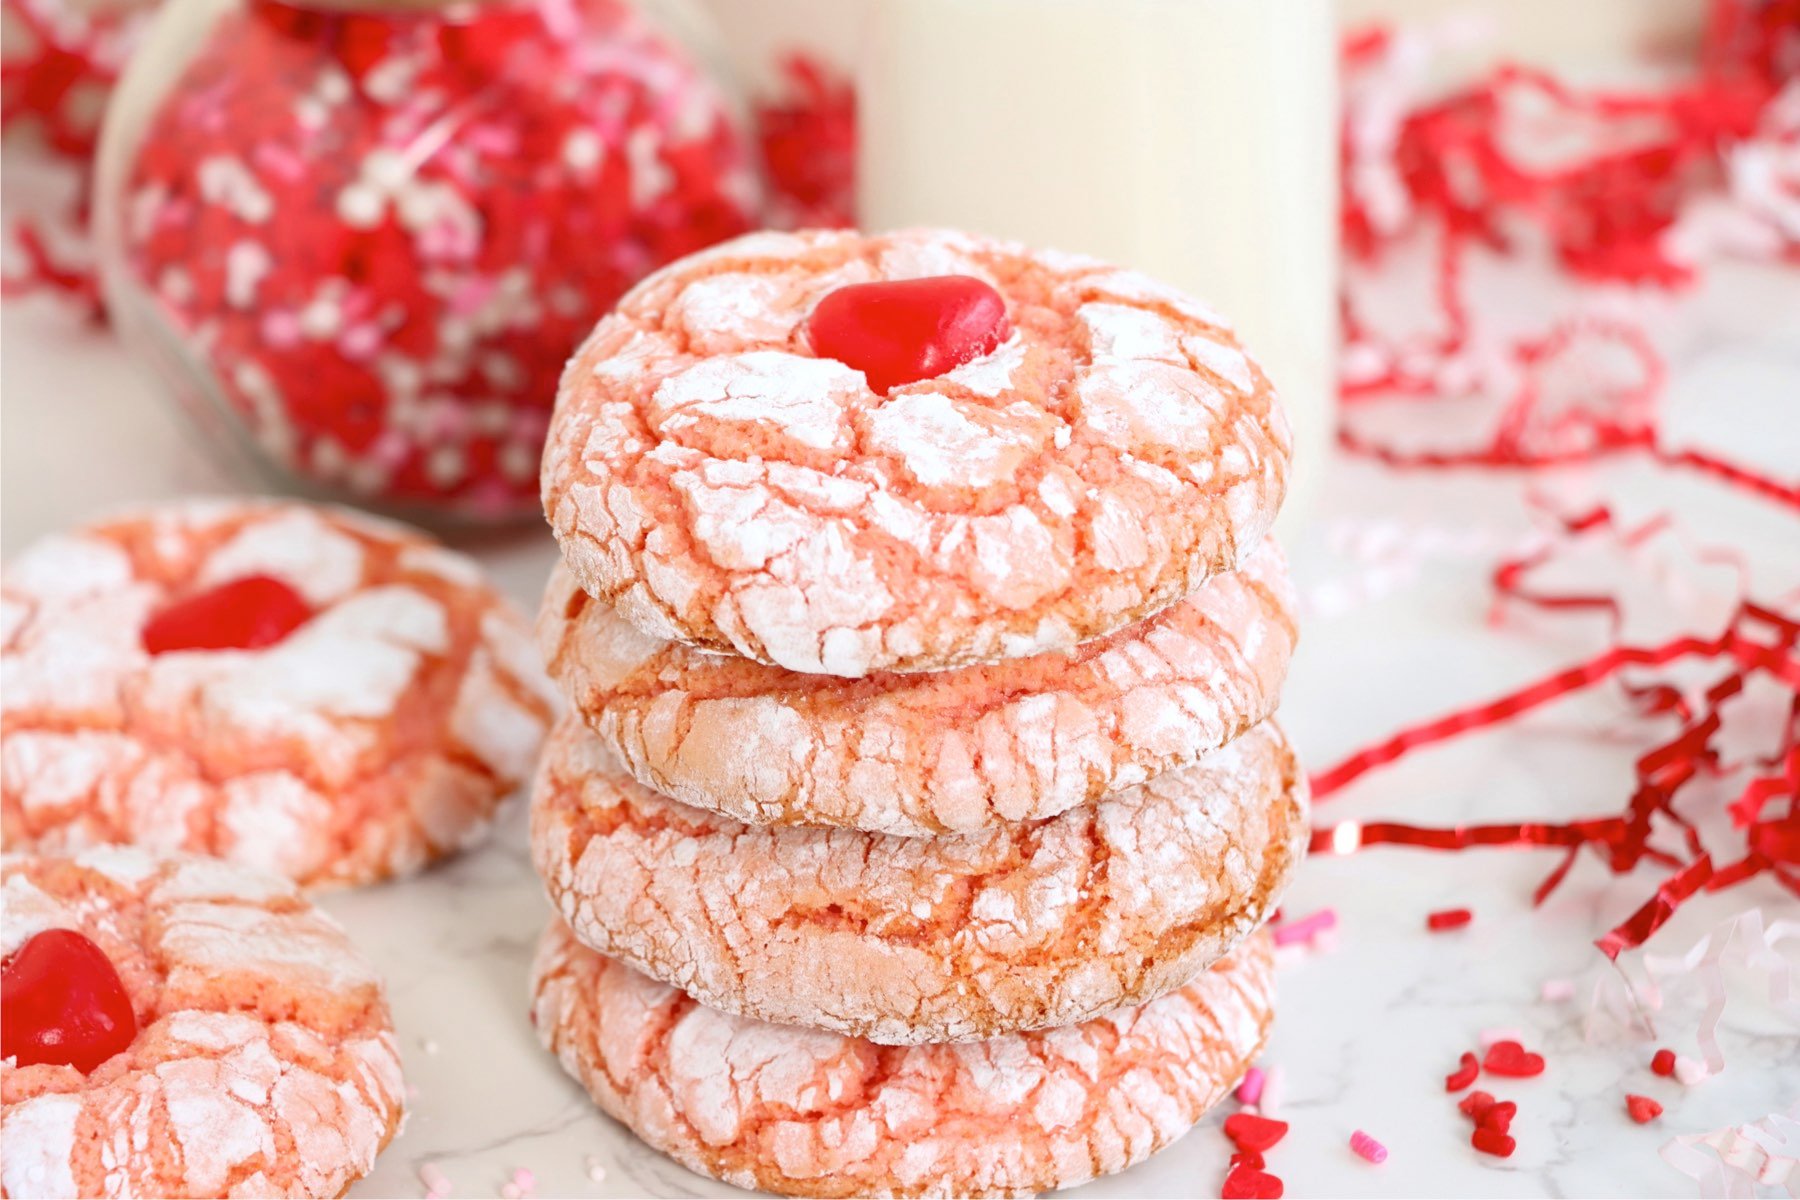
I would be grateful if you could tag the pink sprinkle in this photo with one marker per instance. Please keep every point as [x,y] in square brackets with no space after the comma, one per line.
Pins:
[1250,1091]
[1367,1147]
[524,1179]
[1304,929]
[281,329]
[1500,1034]
[1555,991]
[1689,1070]
[1270,1100]
[436,1184]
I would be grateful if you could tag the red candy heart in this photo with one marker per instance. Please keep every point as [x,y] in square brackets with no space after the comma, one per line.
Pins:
[1476,1103]
[1643,1109]
[1663,1062]
[1499,1116]
[1248,1183]
[909,329]
[1513,1060]
[1252,1132]
[61,1002]
[1464,1074]
[1492,1141]
[245,614]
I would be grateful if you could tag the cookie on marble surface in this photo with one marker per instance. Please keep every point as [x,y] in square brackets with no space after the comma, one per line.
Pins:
[904,940]
[806,1113]
[724,480]
[263,1060]
[927,752]
[302,689]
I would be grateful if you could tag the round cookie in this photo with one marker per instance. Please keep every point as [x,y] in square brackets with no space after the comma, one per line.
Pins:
[390,700]
[725,487]
[805,1113]
[927,752]
[264,1061]
[904,940]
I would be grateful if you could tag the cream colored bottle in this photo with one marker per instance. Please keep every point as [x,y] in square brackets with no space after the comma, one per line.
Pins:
[1193,139]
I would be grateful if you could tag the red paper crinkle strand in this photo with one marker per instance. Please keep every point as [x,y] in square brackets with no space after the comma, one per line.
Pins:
[1758,640]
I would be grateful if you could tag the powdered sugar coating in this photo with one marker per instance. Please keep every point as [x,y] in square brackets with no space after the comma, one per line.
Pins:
[265,1061]
[927,752]
[724,487]
[380,735]
[805,1113]
[904,940]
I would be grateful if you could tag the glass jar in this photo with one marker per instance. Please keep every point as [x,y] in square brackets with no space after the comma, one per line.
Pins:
[359,243]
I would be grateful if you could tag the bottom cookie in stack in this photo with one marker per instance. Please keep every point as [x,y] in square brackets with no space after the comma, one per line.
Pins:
[809,1113]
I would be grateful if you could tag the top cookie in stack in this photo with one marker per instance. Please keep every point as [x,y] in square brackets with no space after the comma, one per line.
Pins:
[1085,449]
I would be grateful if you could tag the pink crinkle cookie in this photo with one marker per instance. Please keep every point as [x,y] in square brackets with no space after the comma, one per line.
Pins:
[725,485]
[264,1062]
[330,697]
[903,940]
[928,752]
[806,1113]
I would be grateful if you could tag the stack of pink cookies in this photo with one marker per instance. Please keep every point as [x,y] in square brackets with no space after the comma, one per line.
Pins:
[919,798]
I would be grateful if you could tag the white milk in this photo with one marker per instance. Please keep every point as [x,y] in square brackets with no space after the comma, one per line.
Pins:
[1193,139]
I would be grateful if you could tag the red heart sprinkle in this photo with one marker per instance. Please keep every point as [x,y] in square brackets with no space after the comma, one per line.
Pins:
[1464,1075]
[1493,1141]
[1498,1117]
[1252,1132]
[1643,1109]
[1513,1060]
[1663,1062]
[61,1002]
[906,330]
[245,614]
[1248,1183]
[1476,1103]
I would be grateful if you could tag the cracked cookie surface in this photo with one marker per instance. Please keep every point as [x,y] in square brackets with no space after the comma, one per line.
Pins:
[722,486]
[806,1113]
[903,940]
[380,734]
[917,753]
[265,1062]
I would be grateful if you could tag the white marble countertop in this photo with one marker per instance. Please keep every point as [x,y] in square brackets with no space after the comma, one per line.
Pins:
[1366,1031]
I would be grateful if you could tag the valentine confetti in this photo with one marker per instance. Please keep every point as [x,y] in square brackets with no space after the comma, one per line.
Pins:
[1450,918]
[366,244]
[1367,1148]
[1464,1075]
[1509,1059]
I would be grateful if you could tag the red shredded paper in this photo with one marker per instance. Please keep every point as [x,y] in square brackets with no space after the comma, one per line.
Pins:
[1458,167]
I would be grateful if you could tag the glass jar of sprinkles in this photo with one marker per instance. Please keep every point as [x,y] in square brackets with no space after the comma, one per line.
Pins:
[359,243]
